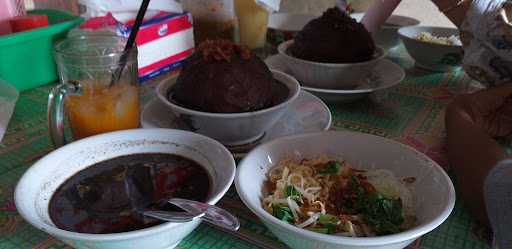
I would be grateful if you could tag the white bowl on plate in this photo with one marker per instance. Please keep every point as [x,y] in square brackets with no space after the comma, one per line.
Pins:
[306,114]
[433,191]
[387,35]
[232,128]
[435,57]
[384,75]
[328,75]
[36,187]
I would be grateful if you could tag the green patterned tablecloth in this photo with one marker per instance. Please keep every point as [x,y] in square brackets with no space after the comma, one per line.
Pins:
[412,113]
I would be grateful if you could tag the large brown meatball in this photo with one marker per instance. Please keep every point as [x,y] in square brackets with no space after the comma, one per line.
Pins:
[334,37]
[223,77]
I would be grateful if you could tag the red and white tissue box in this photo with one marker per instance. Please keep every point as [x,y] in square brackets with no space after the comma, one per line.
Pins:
[163,43]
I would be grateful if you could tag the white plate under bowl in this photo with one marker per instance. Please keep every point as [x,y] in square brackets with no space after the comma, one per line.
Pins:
[386,74]
[306,114]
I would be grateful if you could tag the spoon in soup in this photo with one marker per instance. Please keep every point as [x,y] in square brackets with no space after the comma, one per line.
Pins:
[197,210]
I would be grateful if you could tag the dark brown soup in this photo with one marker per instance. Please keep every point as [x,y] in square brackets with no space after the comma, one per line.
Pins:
[109,196]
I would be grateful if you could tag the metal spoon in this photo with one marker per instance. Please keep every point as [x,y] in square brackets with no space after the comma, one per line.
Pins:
[178,217]
[197,210]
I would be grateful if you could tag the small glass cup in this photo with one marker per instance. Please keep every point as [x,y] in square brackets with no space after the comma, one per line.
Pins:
[213,19]
[252,23]
[88,95]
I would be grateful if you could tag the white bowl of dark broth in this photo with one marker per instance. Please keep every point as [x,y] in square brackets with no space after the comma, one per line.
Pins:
[90,193]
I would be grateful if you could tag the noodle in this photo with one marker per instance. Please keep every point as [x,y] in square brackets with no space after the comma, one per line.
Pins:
[330,196]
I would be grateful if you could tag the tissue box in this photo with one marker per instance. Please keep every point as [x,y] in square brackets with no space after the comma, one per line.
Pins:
[163,43]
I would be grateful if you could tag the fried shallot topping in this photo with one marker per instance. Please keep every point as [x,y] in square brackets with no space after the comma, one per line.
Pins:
[222,50]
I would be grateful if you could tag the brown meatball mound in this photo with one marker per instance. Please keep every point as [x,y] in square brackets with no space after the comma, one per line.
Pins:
[334,37]
[222,77]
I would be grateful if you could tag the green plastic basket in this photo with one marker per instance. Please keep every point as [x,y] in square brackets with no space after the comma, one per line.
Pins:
[26,58]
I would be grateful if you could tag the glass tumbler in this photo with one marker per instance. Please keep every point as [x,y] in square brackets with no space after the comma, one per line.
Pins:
[213,19]
[94,93]
[252,23]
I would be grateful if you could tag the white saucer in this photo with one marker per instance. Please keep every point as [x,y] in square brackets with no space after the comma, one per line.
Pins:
[306,114]
[386,74]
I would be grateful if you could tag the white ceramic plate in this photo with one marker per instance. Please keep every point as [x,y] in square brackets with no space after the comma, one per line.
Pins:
[306,114]
[385,75]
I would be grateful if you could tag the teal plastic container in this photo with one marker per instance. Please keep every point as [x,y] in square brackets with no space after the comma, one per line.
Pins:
[26,58]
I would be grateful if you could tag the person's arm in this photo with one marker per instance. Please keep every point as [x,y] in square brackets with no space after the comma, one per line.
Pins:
[472,154]
[456,13]
[381,10]
[472,122]
[378,13]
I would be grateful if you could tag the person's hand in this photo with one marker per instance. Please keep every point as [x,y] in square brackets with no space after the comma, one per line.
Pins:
[455,10]
[489,109]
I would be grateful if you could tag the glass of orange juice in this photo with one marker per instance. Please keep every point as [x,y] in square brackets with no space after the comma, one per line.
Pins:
[88,95]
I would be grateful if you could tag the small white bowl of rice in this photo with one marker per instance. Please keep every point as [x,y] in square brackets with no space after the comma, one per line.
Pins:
[433,48]
[340,189]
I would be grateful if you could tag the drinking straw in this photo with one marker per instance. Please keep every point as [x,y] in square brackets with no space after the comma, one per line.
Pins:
[131,41]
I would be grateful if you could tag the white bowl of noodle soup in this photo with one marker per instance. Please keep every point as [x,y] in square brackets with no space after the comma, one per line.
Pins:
[433,194]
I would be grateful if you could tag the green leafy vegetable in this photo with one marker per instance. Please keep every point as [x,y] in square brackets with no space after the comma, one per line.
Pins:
[360,192]
[327,218]
[323,230]
[327,229]
[330,222]
[354,179]
[383,214]
[282,213]
[331,228]
[291,191]
[333,167]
